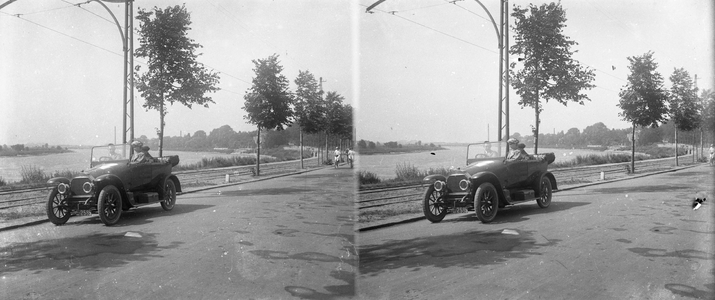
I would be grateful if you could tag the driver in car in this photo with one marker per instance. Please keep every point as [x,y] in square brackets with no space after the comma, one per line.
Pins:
[112,154]
[488,150]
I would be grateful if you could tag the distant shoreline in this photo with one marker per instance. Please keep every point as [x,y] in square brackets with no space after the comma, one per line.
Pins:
[32,152]
[397,150]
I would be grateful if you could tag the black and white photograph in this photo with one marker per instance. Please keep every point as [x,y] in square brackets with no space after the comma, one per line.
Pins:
[357,149]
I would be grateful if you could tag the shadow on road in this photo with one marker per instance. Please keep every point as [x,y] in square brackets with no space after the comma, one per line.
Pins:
[86,253]
[143,215]
[519,212]
[472,249]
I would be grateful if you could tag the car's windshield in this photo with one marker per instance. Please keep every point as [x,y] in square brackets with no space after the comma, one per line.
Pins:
[485,150]
[109,153]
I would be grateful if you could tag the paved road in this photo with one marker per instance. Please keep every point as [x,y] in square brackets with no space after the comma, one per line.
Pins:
[285,238]
[633,239]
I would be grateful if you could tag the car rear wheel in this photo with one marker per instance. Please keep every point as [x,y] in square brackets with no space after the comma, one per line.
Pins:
[57,209]
[170,194]
[545,192]
[433,207]
[486,202]
[109,205]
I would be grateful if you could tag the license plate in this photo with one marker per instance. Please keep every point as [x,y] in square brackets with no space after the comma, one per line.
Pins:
[84,212]
[459,210]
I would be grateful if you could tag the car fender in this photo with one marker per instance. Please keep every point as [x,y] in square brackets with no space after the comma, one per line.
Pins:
[173,178]
[482,177]
[537,182]
[110,179]
[430,179]
[57,180]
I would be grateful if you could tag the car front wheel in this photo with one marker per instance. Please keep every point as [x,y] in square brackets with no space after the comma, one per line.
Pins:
[486,202]
[545,192]
[57,210]
[433,206]
[109,205]
[170,194]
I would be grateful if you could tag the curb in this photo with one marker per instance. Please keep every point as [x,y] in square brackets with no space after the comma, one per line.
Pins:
[32,221]
[415,219]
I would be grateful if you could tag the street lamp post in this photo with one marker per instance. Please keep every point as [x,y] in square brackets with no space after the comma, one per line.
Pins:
[128,77]
[502,31]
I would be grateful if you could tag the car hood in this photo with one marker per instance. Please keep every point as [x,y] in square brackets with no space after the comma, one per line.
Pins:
[107,168]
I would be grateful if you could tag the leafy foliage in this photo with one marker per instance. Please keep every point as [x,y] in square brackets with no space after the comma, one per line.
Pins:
[173,73]
[643,97]
[267,102]
[684,108]
[548,72]
[310,111]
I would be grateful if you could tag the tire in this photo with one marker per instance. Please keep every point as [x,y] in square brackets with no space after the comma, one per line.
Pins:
[170,195]
[545,192]
[57,210]
[486,202]
[433,207]
[109,205]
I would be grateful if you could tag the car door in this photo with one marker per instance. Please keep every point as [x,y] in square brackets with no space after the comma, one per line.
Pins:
[517,172]
[139,176]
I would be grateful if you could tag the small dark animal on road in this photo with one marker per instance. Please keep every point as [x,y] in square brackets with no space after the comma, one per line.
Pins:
[697,203]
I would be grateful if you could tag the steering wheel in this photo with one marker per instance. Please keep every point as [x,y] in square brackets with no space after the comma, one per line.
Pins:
[480,156]
[105,158]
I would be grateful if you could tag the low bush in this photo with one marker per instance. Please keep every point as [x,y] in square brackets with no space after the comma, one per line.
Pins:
[32,174]
[366,177]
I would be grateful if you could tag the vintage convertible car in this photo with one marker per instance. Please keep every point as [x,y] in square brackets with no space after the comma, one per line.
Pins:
[112,184]
[489,182]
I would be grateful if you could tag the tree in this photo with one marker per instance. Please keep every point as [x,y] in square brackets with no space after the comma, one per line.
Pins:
[362,144]
[173,73]
[683,100]
[309,107]
[643,97]
[548,72]
[707,114]
[267,102]
[596,134]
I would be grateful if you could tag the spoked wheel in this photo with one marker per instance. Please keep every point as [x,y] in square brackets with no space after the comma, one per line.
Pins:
[434,208]
[170,194]
[57,209]
[486,202]
[545,192]
[109,205]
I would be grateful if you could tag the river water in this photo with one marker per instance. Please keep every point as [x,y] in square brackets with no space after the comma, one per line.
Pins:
[78,160]
[384,165]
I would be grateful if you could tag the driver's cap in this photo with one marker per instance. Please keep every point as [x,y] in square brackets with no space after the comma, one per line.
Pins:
[512,141]
[137,144]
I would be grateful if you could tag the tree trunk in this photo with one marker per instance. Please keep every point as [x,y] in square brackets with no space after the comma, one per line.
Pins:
[676,146]
[258,152]
[633,148]
[161,128]
[300,134]
[326,147]
[536,127]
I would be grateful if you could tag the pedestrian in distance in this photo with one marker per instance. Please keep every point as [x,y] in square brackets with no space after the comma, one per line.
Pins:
[337,157]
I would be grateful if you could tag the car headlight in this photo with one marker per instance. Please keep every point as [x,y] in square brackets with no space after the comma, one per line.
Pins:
[62,188]
[438,185]
[88,187]
[464,184]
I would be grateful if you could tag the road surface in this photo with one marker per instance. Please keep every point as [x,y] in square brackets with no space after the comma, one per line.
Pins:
[284,238]
[632,239]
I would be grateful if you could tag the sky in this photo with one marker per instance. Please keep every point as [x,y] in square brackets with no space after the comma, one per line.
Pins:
[413,69]
[429,68]
[61,65]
